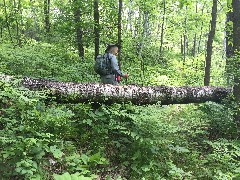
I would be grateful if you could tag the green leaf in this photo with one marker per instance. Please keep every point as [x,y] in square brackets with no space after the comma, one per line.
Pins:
[65,176]
[85,158]
[36,177]
[88,121]
[95,158]
[237,170]
[57,153]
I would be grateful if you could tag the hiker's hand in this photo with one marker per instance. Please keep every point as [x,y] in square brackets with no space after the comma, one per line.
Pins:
[125,76]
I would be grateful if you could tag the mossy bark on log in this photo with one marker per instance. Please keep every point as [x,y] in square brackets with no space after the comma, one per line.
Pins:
[108,94]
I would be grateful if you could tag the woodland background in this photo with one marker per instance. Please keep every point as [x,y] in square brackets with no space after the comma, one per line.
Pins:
[171,43]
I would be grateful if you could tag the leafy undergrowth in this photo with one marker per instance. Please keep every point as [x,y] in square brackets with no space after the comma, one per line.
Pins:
[40,139]
[42,60]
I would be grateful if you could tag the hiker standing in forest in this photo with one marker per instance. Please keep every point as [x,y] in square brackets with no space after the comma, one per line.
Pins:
[115,73]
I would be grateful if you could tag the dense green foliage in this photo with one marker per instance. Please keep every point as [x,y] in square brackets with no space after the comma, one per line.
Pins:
[41,139]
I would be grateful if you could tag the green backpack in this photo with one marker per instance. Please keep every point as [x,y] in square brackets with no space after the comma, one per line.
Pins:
[103,65]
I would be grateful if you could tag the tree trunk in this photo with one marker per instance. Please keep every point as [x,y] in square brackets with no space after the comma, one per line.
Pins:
[74,92]
[6,18]
[194,45]
[1,31]
[79,31]
[184,46]
[236,47]
[200,37]
[17,13]
[229,35]
[185,39]
[141,44]
[96,27]
[129,20]
[229,43]
[181,44]
[108,94]
[162,26]
[195,35]
[119,32]
[34,32]
[209,44]
[47,16]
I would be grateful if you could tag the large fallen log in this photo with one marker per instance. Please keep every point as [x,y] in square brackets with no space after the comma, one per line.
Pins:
[100,93]
[75,92]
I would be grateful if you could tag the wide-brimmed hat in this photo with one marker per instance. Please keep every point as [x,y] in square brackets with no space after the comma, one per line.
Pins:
[109,46]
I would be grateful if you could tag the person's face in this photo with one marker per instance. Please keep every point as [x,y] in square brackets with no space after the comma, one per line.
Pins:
[115,50]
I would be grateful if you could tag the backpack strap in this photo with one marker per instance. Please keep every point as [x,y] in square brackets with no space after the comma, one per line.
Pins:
[109,60]
[108,57]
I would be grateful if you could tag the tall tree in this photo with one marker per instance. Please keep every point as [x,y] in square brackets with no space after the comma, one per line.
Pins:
[47,15]
[195,35]
[35,19]
[229,35]
[7,21]
[78,28]
[209,44]
[229,40]
[162,26]
[17,15]
[119,31]
[96,27]
[236,47]
[130,18]
[184,44]
[201,31]
[185,38]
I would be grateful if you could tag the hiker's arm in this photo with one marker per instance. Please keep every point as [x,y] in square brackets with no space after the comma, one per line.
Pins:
[115,66]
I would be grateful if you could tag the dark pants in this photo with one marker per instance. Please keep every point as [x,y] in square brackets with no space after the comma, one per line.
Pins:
[109,79]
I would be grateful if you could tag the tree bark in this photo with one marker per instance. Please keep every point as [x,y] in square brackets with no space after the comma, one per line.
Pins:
[181,44]
[47,16]
[102,93]
[229,35]
[79,31]
[1,31]
[236,47]
[184,46]
[96,27]
[7,22]
[195,35]
[119,31]
[209,44]
[129,19]
[185,39]
[17,13]
[162,26]
[229,42]
[200,37]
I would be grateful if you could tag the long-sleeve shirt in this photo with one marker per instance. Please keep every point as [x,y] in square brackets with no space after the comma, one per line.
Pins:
[114,64]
